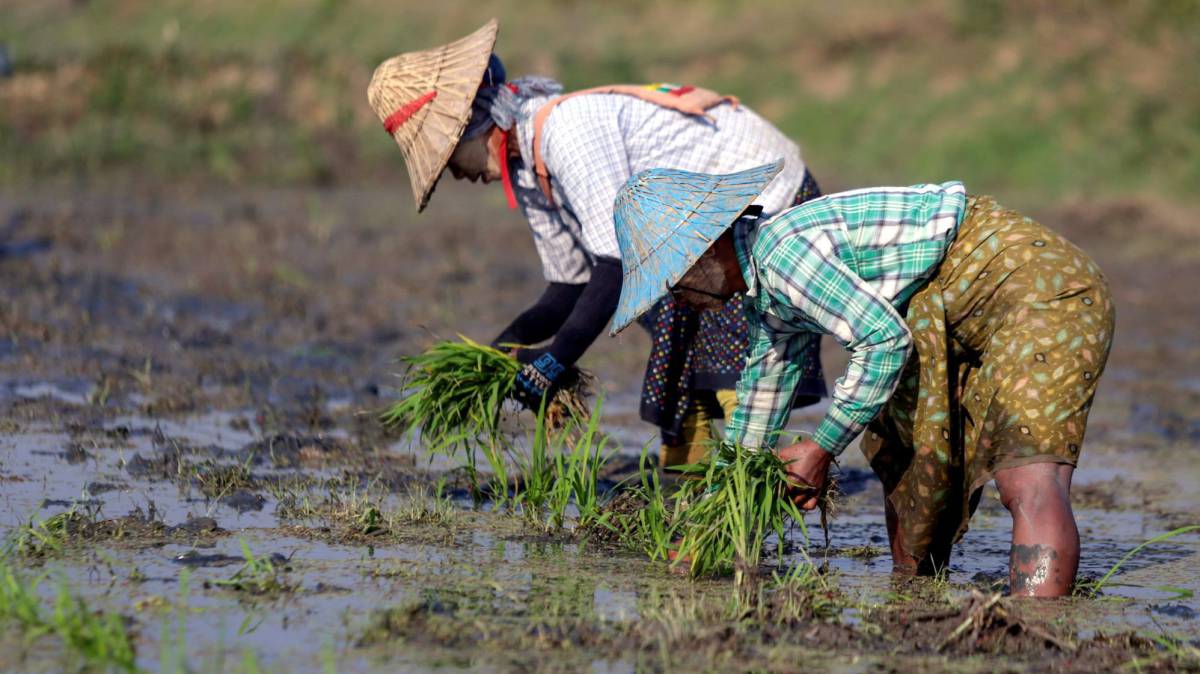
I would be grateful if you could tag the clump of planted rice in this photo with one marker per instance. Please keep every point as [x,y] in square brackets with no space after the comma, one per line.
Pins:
[735,501]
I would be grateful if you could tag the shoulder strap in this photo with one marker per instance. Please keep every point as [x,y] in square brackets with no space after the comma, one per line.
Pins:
[688,100]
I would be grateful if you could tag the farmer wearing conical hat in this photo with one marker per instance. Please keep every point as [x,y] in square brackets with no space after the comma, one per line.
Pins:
[561,160]
[976,340]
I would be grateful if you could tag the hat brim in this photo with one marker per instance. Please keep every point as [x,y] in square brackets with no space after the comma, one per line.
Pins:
[428,137]
[699,224]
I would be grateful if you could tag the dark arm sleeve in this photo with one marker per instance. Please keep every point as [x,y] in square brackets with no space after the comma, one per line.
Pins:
[540,321]
[596,306]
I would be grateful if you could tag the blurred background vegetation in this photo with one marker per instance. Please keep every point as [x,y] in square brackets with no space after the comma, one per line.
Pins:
[1037,98]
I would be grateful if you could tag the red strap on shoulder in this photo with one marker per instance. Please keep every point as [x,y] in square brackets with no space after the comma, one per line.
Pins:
[687,100]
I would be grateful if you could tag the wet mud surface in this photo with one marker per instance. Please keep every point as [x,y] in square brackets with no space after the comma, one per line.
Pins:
[189,378]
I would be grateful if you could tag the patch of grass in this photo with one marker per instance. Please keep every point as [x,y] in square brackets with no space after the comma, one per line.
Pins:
[801,594]
[1177,652]
[71,530]
[641,519]
[363,511]
[351,509]
[45,537]
[217,481]
[99,638]
[421,506]
[258,576]
[1046,99]
[860,551]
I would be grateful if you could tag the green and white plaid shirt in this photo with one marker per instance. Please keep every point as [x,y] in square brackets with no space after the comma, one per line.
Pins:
[839,265]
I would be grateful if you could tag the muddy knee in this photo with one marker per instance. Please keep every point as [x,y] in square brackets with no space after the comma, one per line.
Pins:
[1033,486]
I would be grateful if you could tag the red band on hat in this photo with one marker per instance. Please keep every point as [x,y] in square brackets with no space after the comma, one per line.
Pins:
[682,90]
[407,110]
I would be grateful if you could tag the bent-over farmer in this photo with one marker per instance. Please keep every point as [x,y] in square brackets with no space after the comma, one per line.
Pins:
[561,160]
[976,339]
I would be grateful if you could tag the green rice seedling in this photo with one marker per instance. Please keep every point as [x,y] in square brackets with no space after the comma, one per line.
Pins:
[1093,588]
[43,538]
[421,507]
[100,639]
[801,594]
[217,481]
[496,456]
[654,520]
[562,467]
[640,518]
[576,472]
[537,470]
[455,392]
[739,498]
[259,576]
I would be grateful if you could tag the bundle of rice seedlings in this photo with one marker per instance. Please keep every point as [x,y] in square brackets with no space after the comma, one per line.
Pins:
[738,499]
[455,391]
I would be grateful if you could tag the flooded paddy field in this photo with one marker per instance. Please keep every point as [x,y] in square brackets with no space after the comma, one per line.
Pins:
[189,384]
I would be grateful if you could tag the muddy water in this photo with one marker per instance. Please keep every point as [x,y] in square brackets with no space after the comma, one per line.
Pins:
[135,372]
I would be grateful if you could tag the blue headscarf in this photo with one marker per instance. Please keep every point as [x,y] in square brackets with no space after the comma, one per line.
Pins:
[499,102]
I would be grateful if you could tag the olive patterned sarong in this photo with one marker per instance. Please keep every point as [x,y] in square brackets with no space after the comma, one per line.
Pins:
[1011,337]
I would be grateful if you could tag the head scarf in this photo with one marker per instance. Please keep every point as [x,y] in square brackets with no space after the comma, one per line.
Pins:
[493,80]
[500,103]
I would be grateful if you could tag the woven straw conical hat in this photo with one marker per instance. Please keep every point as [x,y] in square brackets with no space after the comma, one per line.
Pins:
[424,100]
[665,219]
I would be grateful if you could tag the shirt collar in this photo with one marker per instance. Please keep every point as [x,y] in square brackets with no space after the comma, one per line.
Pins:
[745,231]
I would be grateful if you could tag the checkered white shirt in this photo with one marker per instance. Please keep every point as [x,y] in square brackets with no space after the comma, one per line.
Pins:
[592,144]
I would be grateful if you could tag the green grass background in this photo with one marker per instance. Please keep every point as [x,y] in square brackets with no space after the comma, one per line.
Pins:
[1042,98]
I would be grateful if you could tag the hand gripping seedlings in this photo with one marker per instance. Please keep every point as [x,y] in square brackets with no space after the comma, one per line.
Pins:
[739,498]
[454,394]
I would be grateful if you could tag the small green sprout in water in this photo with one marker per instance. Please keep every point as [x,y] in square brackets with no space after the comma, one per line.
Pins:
[640,518]
[101,639]
[43,538]
[259,576]
[217,481]
[1091,589]
[562,469]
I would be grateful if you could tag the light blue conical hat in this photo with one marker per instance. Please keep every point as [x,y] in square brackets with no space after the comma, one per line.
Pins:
[666,219]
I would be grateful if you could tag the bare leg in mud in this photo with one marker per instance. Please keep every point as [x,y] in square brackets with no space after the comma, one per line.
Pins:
[904,563]
[1045,540]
